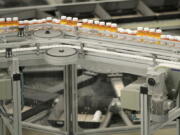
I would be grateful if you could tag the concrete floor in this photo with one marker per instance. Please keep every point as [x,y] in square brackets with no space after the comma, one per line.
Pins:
[161,132]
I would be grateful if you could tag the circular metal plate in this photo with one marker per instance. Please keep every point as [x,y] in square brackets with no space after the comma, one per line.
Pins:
[61,56]
[61,52]
[47,33]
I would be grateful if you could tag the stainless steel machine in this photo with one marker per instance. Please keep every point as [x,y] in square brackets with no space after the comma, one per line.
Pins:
[68,47]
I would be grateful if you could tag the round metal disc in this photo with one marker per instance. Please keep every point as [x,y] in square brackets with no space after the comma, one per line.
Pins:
[47,33]
[61,52]
[61,56]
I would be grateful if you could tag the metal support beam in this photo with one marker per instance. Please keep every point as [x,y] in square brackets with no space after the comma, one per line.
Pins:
[2,127]
[178,120]
[7,123]
[17,125]
[144,9]
[70,93]
[52,2]
[101,12]
[145,112]
[42,129]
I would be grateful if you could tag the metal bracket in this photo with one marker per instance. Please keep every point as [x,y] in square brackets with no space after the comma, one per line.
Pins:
[154,59]
[82,52]
[8,52]
[76,30]
[38,48]
[21,32]
[144,90]
[16,77]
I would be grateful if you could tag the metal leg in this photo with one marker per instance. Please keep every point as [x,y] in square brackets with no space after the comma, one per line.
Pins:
[17,124]
[2,127]
[70,93]
[145,115]
[178,120]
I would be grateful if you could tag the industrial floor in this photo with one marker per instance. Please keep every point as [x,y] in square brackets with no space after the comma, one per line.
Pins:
[162,132]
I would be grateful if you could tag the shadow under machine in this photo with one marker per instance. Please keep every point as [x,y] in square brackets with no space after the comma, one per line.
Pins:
[65,79]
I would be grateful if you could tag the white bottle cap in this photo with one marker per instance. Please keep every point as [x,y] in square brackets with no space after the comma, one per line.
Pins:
[8,19]
[30,22]
[170,37]
[75,19]
[146,29]
[44,20]
[63,17]
[121,30]
[49,18]
[26,21]
[85,20]
[102,23]
[40,21]
[167,36]
[127,30]
[69,18]
[54,20]
[58,21]
[163,36]
[79,24]
[114,25]
[178,38]
[21,22]
[2,19]
[90,21]
[35,21]
[134,32]
[140,28]
[96,22]
[158,31]
[152,30]
[15,19]
[108,24]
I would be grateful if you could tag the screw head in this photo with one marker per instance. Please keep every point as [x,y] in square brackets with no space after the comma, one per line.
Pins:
[151,82]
